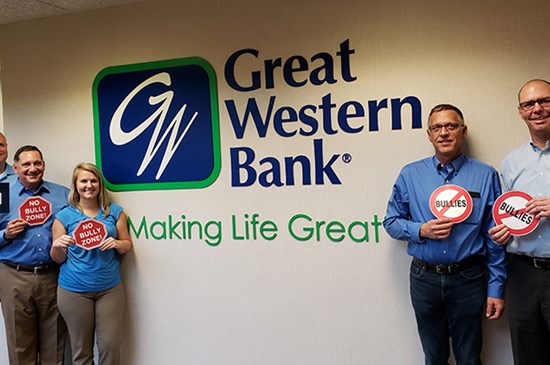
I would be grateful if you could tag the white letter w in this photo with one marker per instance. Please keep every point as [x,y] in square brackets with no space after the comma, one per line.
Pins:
[120,137]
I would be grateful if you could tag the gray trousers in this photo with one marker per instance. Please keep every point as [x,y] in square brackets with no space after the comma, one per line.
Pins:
[92,313]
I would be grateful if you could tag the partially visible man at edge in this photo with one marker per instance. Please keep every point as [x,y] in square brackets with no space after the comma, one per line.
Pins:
[6,171]
[527,169]
[35,331]
[7,175]
[448,288]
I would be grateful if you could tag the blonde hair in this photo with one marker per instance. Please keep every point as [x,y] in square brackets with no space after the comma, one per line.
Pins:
[103,198]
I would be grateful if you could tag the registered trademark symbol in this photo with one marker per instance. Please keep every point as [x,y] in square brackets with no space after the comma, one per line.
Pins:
[346,157]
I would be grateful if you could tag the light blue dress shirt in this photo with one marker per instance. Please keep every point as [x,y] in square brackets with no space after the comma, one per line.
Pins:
[32,246]
[527,169]
[8,175]
[408,209]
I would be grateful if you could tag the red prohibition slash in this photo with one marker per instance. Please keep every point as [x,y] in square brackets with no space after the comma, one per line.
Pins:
[451,201]
[509,209]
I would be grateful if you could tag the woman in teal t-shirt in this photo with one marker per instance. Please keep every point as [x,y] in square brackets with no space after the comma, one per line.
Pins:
[88,237]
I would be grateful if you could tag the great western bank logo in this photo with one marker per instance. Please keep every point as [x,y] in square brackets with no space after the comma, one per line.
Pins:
[157,125]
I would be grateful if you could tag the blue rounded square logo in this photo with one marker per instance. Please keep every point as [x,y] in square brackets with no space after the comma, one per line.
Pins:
[157,125]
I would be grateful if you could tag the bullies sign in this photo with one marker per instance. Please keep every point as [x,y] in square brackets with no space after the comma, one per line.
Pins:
[509,209]
[451,201]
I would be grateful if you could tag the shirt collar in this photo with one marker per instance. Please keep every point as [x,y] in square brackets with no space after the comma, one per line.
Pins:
[7,171]
[536,148]
[20,189]
[456,163]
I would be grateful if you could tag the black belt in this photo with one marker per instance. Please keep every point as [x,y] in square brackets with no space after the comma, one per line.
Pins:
[451,268]
[34,269]
[538,262]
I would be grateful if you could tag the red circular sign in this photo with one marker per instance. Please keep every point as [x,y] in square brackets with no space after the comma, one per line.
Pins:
[89,234]
[35,210]
[451,201]
[509,209]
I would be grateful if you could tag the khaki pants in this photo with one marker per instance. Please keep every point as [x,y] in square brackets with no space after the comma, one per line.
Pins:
[35,331]
[90,313]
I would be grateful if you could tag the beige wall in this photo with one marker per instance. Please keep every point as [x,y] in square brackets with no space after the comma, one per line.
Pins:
[280,302]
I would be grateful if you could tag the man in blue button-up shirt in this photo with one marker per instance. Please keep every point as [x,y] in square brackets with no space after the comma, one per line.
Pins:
[34,327]
[527,169]
[448,285]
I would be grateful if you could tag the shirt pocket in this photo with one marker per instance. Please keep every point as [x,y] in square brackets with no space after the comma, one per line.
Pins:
[476,216]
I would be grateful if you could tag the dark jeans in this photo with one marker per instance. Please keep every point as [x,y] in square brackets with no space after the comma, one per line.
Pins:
[529,312]
[449,306]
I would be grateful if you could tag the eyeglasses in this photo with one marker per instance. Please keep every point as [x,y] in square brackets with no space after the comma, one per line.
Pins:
[528,105]
[450,127]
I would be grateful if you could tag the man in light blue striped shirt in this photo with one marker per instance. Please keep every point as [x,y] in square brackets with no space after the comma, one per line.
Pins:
[527,169]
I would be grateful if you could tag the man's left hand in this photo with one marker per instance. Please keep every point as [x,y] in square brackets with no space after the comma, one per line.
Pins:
[539,207]
[495,307]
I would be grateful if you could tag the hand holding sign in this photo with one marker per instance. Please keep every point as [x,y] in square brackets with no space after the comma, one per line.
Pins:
[539,207]
[500,234]
[436,229]
[14,228]
[63,242]
[109,243]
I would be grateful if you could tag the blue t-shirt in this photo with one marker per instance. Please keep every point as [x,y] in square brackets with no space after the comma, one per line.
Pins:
[89,270]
